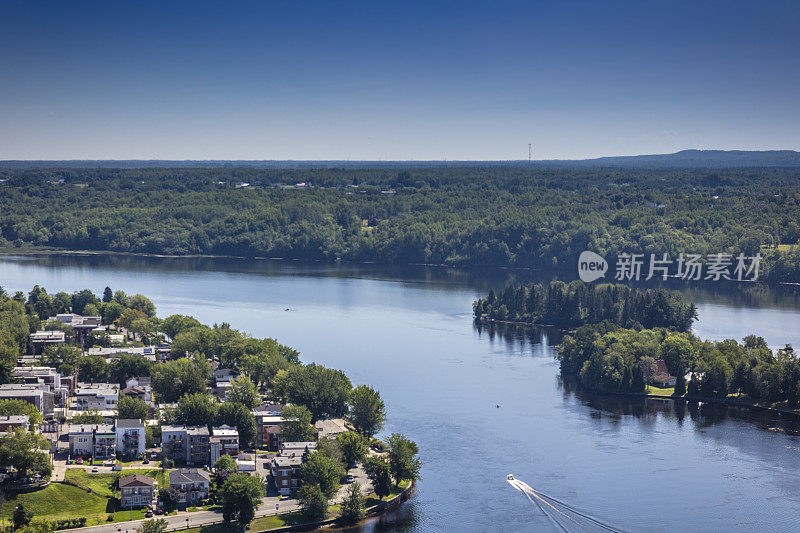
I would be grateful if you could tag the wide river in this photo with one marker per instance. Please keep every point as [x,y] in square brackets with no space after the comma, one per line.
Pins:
[639,465]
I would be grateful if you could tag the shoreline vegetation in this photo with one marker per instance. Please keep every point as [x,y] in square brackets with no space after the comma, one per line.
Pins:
[467,217]
[624,341]
[262,372]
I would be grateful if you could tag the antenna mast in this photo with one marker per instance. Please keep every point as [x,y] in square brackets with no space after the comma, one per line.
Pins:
[529,153]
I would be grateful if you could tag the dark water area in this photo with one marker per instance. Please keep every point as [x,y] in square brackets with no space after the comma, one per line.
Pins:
[639,464]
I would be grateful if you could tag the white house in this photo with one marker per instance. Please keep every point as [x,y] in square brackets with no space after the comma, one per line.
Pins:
[130,434]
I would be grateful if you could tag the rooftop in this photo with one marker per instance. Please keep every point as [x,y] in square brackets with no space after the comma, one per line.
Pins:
[136,480]
[129,423]
[188,475]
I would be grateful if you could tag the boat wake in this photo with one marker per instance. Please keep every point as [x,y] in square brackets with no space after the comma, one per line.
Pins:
[563,516]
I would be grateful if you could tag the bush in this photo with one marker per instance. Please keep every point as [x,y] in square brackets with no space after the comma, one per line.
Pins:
[69,523]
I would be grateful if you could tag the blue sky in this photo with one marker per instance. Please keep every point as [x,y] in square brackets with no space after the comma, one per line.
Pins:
[395,80]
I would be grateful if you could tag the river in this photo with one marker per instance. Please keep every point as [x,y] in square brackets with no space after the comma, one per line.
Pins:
[639,465]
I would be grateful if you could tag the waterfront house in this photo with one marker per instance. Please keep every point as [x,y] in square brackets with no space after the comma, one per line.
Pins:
[662,377]
[137,491]
[191,483]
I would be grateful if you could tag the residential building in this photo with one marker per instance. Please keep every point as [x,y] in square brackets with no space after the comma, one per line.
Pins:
[268,424]
[285,471]
[10,422]
[38,395]
[130,434]
[137,491]
[199,445]
[190,445]
[288,448]
[329,427]
[96,396]
[224,440]
[44,375]
[98,441]
[40,339]
[192,484]
[148,352]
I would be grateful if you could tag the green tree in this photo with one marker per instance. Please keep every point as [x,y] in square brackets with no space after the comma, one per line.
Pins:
[353,505]
[81,299]
[197,409]
[243,391]
[93,369]
[367,410]
[378,471]
[354,447]
[21,407]
[88,417]
[240,496]
[170,496]
[175,324]
[322,471]
[403,462]
[154,525]
[20,517]
[174,379]
[313,503]
[297,426]
[107,295]
[128,365]
[132,407]
[680,385]
[225,462]
[21,450]
[323,391]
[237,415]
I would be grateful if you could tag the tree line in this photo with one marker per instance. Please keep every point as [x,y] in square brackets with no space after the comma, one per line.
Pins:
[576,304]
[471,217]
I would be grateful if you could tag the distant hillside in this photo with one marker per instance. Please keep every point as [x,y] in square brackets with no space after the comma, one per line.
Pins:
[682,159]
[700,159]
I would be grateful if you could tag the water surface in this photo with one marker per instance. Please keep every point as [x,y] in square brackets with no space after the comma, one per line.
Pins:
[640,465]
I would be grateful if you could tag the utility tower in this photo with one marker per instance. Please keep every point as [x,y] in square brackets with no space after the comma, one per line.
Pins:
[529,153]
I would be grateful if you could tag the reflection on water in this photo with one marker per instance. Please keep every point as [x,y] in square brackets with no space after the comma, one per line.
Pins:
[700,414]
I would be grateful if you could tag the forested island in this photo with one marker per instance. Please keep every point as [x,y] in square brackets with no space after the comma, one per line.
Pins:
[627,336]
[576,304]
[470,217]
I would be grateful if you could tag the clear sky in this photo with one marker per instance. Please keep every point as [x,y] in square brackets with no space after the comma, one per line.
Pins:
[395,79]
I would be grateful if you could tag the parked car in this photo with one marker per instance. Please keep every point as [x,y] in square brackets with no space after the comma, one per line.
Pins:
[159,511]
[148,513]
[350,479]
[146,462]
[78,461]
[95,470]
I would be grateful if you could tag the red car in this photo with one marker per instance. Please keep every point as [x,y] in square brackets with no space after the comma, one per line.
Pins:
[78,461]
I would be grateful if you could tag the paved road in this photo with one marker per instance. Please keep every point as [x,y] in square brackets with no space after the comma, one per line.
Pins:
[203,518]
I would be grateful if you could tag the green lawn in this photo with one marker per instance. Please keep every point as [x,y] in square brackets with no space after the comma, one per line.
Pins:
[60,500]
[57,500]
[660,391]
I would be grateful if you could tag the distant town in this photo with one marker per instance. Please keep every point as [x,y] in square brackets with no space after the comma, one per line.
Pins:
[109,414]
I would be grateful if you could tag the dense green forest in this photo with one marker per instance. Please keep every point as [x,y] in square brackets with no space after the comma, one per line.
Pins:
[471,217]
[608,358]
[577,304]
